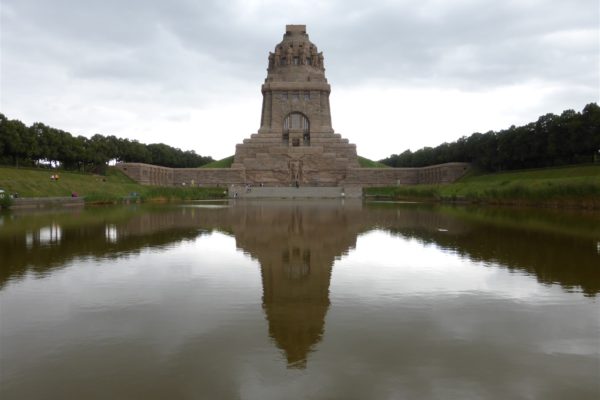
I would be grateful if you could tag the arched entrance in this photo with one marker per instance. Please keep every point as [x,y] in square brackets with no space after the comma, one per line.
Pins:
[296,129]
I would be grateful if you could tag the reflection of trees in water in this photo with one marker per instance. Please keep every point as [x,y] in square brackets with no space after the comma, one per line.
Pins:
[551,257]
[296,245]
[107,237]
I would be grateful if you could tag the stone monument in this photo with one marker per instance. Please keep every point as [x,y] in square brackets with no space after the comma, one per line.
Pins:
[296,144]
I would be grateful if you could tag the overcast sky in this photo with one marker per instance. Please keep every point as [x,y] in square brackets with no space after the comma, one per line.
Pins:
[404,74]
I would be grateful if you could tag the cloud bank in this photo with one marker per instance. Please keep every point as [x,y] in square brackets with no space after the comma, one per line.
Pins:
[404,74]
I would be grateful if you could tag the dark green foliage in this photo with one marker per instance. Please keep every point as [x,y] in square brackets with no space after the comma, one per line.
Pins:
[553,140]
[41,145]
[16,141]
[5,201]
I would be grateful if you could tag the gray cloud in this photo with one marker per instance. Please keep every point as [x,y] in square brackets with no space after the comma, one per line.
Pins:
[457,43]
[189,54]
[474,45]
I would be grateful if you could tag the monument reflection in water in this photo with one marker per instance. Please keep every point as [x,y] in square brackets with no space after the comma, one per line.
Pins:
[131,284]
[296,253]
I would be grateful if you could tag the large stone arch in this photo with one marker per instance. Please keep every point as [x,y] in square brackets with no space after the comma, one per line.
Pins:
[296,129]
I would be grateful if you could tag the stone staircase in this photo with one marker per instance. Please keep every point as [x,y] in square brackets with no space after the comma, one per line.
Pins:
[303,192]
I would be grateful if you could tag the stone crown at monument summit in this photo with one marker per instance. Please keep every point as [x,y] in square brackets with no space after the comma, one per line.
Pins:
[295,144]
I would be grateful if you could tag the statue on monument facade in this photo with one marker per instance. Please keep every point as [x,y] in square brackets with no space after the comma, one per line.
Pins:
[271,61]
[277,56]
[305,55]
[295,167]
[313,56]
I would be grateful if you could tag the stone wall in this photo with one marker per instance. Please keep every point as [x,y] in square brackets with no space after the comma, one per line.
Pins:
[148,174]
[441,173]
[434,174]
[208,176]
[369,177]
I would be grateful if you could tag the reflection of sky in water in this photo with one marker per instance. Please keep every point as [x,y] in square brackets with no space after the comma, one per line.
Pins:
[384,267]
[45,236]
[111,234]
[384,273]
[406,319]
[50,234]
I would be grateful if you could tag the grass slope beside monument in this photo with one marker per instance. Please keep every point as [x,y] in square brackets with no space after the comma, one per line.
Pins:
[576,186]
[223,163]
[366,163]
[109,188]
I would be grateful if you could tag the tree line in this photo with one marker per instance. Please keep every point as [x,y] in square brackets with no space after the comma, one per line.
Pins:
[553,140]
[42,145]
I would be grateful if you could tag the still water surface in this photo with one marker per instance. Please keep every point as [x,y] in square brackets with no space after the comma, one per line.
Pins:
[294,300]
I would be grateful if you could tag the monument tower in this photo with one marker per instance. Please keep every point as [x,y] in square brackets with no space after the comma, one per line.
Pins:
[296,143]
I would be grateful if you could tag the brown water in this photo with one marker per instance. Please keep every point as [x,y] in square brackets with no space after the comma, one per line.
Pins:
[297,300]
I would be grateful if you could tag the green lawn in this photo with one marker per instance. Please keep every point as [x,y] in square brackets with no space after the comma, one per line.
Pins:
[366,163]
[32,182]
[570,171]
[224,163]
[572,184]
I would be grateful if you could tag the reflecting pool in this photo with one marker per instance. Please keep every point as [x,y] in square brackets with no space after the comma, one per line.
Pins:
[296,300]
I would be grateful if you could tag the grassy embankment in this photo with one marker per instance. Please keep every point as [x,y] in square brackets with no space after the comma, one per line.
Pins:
[224,163]
[114,187]
[565,186]
[366,163]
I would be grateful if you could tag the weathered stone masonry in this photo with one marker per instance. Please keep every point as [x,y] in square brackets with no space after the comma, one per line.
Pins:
[147,174]
[295,144]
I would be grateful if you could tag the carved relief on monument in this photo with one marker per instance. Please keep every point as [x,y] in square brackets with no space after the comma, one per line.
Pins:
[295,167]
[277,57]
[289,55]
[313,55]
[271,61]
[305,55]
